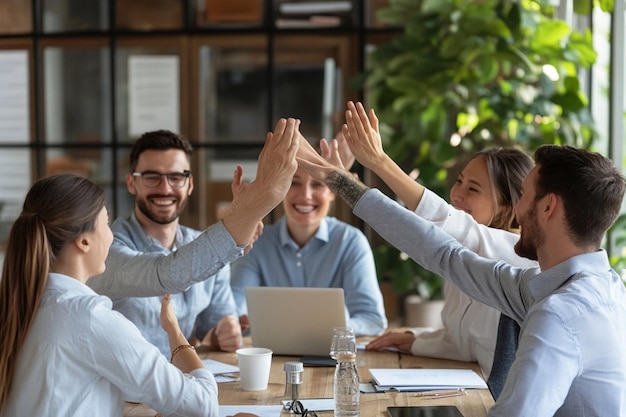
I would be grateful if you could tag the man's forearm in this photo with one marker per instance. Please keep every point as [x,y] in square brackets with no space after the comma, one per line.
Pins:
[346,186]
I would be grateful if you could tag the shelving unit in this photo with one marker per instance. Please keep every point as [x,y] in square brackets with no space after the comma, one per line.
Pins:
[87,77]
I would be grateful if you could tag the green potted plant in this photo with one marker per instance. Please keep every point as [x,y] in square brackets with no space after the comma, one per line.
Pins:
[465,75]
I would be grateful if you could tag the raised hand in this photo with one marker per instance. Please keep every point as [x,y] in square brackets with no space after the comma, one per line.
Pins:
[361,132]
[340,181]
[312,162]
[345,154]
[169,322]
[277,162]
[252,202]
[237,187]
[331,152]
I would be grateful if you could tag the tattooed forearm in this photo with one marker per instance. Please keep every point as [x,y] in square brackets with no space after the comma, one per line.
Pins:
[346,186]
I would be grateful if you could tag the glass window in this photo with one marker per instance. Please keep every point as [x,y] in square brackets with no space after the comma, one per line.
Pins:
[14,96]
[233,81]
[229,13]
[15,180]
[74,15]
[309,83]
[598,87]
[217,177]
[92,162]
[149,14]
[15,16]
[124,203]
[77,98]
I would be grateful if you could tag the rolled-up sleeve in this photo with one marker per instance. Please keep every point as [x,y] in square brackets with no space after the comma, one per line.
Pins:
[143,374]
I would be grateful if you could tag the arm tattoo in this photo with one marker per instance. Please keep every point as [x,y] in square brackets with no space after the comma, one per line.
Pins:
[346,187]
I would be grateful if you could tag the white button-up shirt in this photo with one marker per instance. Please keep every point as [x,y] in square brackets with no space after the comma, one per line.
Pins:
[80,358]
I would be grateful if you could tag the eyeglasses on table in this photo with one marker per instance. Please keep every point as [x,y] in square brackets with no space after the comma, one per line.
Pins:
[296,407]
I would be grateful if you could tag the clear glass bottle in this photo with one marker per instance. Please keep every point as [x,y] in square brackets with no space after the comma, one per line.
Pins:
[346,389]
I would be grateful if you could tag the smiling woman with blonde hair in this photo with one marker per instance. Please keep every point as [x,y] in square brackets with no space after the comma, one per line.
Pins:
[481,217]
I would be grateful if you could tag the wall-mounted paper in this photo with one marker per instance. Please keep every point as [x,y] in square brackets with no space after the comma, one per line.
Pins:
[15,180]
[153,90]
[14,114]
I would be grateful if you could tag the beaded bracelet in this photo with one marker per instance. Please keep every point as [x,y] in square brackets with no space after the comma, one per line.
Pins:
[179,348]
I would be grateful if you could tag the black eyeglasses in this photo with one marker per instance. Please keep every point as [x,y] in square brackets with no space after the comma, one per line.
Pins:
[296,407]
[152,179]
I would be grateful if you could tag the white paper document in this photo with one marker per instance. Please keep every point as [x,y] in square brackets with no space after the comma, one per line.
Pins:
[315,404]
[153,93]
[259,410]
[311,7]
[223,372]
[14,104]
[425,379]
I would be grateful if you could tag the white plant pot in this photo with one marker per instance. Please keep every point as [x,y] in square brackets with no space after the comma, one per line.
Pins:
[422,313]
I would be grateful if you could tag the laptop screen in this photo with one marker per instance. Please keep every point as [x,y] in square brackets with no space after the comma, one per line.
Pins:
[295,321]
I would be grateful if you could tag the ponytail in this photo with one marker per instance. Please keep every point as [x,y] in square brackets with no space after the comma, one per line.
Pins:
[24,277]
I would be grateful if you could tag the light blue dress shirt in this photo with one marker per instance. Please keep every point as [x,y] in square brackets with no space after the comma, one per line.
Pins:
[338,256]
[136,258]
[80,358]
[571,358]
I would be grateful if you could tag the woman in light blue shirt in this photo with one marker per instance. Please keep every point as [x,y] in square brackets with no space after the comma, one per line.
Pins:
[307,248]
[63,351]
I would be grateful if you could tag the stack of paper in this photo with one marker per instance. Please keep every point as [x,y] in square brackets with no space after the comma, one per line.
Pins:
[425,379]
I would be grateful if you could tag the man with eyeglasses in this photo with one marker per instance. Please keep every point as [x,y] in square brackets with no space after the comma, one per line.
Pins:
[152,254]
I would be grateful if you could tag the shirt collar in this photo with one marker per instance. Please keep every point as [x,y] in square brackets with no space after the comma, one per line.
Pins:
[285,239]
[148,240]
[548,281]
[64,282]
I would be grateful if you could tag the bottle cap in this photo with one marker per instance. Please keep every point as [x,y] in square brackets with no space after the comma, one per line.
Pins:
[294,366]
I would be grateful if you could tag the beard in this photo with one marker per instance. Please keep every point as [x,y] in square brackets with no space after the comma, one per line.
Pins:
[144,207]
[531,236]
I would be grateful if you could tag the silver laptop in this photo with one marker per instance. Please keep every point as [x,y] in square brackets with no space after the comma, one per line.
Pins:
[295,321]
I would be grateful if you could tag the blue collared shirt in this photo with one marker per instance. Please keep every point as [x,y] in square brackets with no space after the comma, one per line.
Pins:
[80,359]
[197,272]
[338,256]
[571,358]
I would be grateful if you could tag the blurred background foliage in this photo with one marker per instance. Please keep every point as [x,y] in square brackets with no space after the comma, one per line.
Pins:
[470,74]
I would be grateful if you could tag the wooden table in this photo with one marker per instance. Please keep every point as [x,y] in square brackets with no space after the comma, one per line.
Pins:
[318,383]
